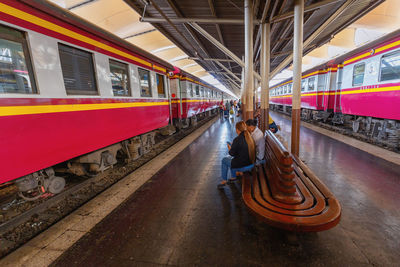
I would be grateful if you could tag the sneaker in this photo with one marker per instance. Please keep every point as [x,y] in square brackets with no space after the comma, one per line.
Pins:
[221,186]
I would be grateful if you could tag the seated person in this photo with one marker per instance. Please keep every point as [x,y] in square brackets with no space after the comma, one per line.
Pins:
[272,126]
[242,154]
[258,138]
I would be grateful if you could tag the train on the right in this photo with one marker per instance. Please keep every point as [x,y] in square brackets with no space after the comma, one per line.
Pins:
[359,90]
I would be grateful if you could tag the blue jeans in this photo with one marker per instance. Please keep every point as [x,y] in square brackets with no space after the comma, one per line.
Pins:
[226,165]
[259,162]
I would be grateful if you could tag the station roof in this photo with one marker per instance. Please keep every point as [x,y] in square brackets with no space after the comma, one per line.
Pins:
[184,23]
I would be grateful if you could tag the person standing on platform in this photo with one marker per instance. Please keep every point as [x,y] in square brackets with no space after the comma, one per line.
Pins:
[242,155]
[227,108]
[258,138]
[239,107]
[221,109]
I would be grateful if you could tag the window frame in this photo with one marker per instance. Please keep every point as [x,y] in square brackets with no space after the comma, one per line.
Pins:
[80,92]
[127,74]
[352,79]
[150,84]
[164,85]
[313,84]
[305,82]
[28,57]
[380,65]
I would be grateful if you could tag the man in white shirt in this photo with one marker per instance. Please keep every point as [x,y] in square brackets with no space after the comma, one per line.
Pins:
[258,138]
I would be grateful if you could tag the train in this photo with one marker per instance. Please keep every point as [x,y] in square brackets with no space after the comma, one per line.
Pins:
[74,94]
[359,90]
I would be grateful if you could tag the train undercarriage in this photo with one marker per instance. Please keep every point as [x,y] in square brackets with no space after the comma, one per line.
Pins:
[46,181]
[378,131]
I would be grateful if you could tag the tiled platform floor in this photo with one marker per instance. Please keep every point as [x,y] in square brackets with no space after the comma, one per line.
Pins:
[180,218]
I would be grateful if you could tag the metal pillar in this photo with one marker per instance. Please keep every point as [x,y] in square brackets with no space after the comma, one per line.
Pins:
[248,69]
[265,59]
[297,56]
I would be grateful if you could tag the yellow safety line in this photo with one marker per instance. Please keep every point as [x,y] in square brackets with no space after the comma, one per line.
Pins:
[24,110]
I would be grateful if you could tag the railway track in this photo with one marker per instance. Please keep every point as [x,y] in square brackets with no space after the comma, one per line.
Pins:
[39,215]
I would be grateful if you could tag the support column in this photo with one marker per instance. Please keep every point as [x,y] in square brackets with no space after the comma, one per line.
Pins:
[243,93]
[297,57]
[248,69]
[264,60]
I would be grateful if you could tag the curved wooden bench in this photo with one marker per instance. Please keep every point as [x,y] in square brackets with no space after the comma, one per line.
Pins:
[286,194]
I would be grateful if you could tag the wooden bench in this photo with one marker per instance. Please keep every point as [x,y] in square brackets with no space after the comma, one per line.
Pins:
[286,194]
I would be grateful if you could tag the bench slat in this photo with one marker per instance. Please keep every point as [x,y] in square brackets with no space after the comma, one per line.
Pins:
[285,193]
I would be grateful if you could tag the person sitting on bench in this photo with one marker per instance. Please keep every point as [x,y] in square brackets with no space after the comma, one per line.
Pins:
[242,155]
[272,125]
[258,138]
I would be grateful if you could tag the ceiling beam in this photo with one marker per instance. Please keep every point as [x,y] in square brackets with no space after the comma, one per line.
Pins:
[313,36]
[220,46]
[228,71]
[213,59]
[306,9]
[195,20]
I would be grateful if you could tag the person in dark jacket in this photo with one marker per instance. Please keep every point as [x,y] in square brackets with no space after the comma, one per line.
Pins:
[242,155]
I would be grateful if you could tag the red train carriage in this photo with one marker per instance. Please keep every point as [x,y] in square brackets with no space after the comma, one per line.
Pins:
[360,89]
[67,88]
[371,80]
[191,97]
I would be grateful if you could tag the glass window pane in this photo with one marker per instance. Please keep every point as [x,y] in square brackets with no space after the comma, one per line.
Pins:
[145,84]
[303,85]
[390,67]
[78,71]
[160,85]
[15,69]
[358,74]
[311,84]
[119,78]
[197,90]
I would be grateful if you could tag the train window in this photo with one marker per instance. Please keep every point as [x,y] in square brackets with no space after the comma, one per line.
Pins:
[197,90]
[160,85]
[145,83]
[191,89]
[119,78]
[290,88]
[303,85]
[78,70]
[16,75]
[390,67]
[358,74]
[311,84]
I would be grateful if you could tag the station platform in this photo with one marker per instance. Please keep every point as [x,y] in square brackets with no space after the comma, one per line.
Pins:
[179,217]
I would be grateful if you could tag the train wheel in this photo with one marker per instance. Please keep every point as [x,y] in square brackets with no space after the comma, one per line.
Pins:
[56,184]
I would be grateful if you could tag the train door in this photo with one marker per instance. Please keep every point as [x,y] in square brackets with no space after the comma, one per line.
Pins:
[180,96]
[331,90]
[325,92]
[321,84]
[168,93]
[339,80]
